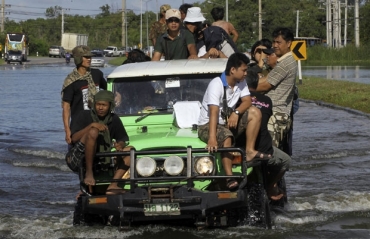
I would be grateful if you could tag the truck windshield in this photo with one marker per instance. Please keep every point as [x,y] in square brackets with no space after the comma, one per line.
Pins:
[140,96]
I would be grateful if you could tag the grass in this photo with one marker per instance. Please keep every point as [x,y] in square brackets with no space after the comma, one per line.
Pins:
[116,61]
[345,56]
[343,93]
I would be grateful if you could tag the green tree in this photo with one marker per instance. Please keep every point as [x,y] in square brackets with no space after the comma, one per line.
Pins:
[53,12]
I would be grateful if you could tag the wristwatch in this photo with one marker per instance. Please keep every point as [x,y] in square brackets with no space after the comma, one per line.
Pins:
[236,112]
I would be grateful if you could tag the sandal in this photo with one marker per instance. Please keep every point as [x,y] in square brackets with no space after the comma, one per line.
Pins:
[115,191]
[260,156]
[232,184]
[277,195]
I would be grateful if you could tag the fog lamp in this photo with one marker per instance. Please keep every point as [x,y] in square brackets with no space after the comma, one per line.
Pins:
[173,165]
[203,165]
[145,166]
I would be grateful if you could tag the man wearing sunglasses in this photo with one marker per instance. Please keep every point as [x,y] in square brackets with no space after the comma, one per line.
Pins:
[176,43]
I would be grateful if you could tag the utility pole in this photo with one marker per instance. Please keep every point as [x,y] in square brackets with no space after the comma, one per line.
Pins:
[339,23]
[345,22]
[141,24]
[259,20]
[62,22]
[357,24]
[156,14]
[2,15]
[297,23]
[62,30]
[329,23]
[335,23]
[124,42]
[227,10]
[147,28]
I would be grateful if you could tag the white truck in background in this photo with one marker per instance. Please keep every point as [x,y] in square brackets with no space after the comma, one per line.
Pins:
[114,51]
[71,40]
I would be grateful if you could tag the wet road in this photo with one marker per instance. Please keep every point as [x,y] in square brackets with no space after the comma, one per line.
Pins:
[327,185]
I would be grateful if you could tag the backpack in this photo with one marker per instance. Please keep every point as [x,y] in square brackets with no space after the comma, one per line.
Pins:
[214,36]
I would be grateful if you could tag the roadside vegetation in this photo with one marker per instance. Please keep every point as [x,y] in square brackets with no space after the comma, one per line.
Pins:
[345,56]
[105,27]
[115,61]
[343,93]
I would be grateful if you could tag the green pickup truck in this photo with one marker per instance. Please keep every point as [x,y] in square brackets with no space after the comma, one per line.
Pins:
[172,177]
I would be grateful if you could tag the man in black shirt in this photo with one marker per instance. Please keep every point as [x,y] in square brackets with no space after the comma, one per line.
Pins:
[79,87]
[97,130]
[279,161]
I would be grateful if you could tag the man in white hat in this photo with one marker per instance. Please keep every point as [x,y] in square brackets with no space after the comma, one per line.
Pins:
[194,23]
[176,43]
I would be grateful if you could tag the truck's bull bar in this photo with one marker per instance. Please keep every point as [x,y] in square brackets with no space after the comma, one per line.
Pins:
[191,175]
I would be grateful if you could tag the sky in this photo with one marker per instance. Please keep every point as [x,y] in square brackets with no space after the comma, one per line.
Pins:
[21,10]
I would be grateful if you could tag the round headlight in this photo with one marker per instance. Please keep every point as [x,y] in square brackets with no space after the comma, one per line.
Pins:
[203,165]
[173,165]
[146,166]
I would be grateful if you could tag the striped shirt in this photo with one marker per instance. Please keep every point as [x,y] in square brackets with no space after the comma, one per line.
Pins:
[282,78]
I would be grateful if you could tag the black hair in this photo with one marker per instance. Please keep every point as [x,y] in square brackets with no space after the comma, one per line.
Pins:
[217,13]
[236,60]
[252,78]
[284,32]
[263,42]
[136,55]
[184,7]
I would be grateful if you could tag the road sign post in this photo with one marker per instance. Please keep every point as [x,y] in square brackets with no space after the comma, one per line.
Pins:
[298,49]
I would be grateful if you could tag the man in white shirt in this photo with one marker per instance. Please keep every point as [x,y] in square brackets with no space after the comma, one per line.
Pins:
[218,131]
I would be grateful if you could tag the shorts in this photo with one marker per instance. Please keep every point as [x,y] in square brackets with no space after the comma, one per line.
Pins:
[222,132]
[75,157]
[278,126]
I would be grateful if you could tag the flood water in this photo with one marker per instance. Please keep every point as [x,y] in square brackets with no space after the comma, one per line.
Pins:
[328,189]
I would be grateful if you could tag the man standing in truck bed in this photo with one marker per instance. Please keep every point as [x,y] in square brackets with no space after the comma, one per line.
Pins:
[159,27]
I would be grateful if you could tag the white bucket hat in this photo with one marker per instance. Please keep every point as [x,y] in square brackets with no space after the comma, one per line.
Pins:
[194,14]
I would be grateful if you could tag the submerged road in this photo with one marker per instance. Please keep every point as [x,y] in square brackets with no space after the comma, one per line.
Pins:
[41,60]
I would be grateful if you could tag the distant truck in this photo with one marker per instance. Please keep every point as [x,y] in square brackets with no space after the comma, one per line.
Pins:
[71,40]
[16,43]
[114,51]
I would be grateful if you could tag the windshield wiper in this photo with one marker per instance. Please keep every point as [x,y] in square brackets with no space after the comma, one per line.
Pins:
[149,113]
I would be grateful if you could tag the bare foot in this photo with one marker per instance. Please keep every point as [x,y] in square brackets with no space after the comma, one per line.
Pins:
[275,193]
[78,195]
[277,197]
[113,190]
[257,155]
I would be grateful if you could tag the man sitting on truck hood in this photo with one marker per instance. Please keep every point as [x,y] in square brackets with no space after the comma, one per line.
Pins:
[97,130]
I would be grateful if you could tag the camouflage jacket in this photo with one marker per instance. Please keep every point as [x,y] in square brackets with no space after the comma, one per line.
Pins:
[157,29]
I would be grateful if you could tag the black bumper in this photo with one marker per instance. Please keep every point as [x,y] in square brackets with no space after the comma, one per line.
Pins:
[193,203]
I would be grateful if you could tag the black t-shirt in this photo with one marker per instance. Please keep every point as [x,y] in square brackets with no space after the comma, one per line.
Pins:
[77,92]
[264,140]
[116,129]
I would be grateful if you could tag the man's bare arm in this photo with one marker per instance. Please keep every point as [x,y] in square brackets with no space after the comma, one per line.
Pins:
[263,85]
[235,34]
[156,56]
[192,51]
[66,115]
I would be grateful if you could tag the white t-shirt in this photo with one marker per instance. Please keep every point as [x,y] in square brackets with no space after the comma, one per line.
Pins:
[214,96]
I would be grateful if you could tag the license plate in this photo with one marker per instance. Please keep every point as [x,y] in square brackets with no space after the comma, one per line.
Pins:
[161,209]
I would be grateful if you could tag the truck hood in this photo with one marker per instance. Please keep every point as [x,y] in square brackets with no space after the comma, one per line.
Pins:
[168,136]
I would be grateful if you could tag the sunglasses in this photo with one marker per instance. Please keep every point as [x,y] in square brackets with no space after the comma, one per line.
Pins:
[173,19]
